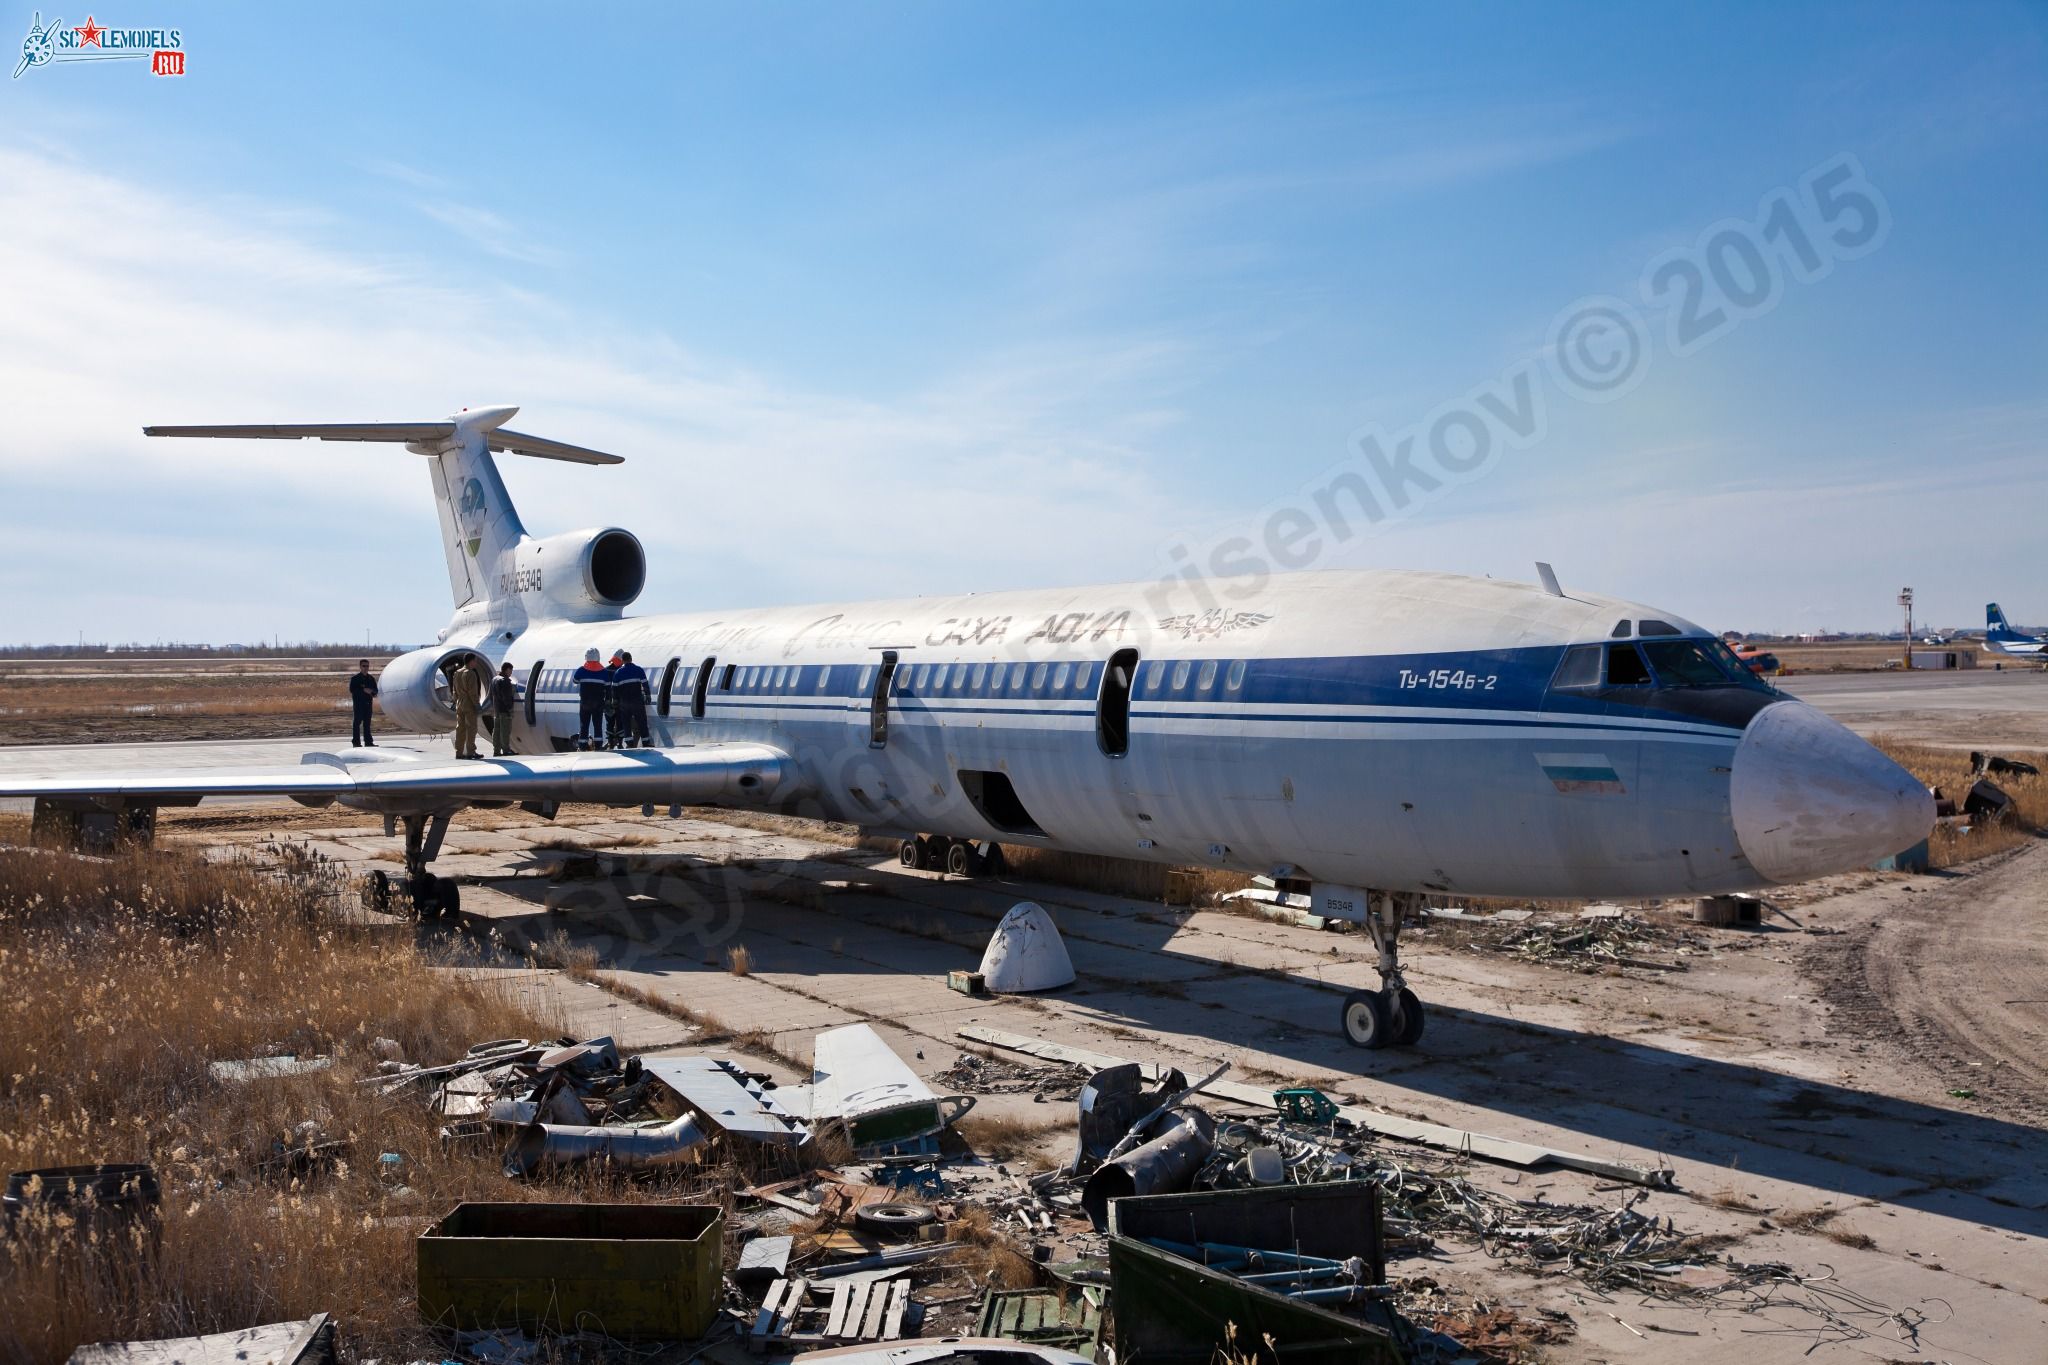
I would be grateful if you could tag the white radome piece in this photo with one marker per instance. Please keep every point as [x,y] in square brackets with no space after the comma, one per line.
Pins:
[1026,953]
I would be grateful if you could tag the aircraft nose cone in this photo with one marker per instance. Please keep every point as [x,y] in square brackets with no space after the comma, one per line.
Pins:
[1809,798]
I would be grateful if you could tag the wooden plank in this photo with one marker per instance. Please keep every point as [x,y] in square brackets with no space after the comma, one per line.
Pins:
[793,1307]
[899,1300]
[764,1321]
[878,1308]
[857,1309]
[835,1320]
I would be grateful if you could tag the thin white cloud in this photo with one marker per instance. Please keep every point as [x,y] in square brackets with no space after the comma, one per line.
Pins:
[488,230]
[747,487]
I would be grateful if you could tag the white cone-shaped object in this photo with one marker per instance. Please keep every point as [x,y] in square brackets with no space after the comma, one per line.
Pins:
[1026,953]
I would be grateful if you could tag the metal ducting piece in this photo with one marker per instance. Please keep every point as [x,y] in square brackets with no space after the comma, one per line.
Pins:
[1110,1105]
[543,1145]
[1026,953]
[1167,1164]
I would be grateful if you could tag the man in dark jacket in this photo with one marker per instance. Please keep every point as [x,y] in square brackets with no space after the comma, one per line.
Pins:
[593,688]
[362,690]
[630,687]
[504,697]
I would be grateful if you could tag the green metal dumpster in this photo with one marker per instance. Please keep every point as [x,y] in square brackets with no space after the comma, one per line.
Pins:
[1170,1310]
[645,1272]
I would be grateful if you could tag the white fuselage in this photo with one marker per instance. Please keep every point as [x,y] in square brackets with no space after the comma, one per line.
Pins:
[1391,730]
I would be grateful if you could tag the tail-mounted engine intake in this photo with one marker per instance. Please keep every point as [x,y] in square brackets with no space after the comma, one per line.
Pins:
[416,689]
[581,575]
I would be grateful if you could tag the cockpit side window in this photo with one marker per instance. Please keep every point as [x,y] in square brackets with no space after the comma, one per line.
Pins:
[1625,667]
[1580,669]
[1732,664]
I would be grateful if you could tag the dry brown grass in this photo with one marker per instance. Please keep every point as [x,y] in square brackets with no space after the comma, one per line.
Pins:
[125,978]
[1120,876]
[986,1254]
[739,961]
[1005,1137]
[1949,770]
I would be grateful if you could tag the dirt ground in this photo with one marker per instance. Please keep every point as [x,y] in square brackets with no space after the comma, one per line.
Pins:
[1861,656]
[84,701]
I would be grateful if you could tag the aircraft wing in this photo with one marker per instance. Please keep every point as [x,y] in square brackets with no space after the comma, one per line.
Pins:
[402,780]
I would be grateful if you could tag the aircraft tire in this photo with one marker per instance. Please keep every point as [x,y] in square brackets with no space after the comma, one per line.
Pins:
[906,853]
[1365,1020]
[1408,1018]
[931,853]
[448,898]
[960,859]
[377,892]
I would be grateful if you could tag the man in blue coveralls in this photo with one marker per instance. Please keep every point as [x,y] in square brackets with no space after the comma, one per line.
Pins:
[629,686]
[593,689]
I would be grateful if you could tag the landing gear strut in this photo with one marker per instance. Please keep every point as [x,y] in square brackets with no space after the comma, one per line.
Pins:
[432,897]
[1391,1015]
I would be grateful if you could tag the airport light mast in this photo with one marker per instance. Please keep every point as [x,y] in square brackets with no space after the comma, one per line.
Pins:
[1906,601]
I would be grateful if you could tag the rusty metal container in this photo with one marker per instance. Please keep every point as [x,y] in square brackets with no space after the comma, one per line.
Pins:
[640,1272]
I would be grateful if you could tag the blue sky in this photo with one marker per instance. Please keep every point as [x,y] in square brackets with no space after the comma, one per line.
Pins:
[888,299]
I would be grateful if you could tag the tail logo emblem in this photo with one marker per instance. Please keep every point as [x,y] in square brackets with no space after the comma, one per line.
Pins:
[471,510]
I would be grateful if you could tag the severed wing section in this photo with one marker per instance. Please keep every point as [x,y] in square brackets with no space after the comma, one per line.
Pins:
[402,781]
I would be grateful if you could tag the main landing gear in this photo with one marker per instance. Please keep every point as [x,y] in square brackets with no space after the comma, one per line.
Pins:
[1392,1015]
[960,857]
[432,897]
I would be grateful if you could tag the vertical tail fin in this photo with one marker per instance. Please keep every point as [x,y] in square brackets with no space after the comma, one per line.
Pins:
[480,529]
[1994,620]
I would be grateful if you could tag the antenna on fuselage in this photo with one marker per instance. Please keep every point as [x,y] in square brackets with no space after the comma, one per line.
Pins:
[1549,577]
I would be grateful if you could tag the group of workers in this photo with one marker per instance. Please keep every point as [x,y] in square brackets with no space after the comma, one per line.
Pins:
[611,704]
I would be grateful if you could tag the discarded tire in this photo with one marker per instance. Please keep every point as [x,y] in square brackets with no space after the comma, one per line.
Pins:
[892,1220]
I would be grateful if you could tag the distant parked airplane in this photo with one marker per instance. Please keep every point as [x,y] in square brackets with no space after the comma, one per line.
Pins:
[2001,638]
[1381,735]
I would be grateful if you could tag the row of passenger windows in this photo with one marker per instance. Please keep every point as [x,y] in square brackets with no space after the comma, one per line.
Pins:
[1157,678]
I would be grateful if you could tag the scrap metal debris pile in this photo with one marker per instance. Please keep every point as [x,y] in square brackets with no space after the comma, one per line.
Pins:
[569,1103]
[1594,939]
[972,1073]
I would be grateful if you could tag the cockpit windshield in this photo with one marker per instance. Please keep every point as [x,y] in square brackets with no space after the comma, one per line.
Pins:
[1686,663]
[1673,663]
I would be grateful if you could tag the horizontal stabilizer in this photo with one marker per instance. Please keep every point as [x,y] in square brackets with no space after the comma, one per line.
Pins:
[402,433]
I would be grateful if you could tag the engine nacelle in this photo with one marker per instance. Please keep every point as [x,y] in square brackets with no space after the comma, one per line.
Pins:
[415,689]
[583,575]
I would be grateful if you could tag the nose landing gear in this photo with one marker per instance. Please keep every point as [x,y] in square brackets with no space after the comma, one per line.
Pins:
[1391,1016]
